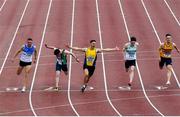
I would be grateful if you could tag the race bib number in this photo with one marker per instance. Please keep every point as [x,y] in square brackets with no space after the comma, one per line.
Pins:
[90,61]
[131,55]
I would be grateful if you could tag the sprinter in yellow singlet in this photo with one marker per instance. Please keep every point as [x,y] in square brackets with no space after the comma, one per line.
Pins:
[165,50]
[90,60]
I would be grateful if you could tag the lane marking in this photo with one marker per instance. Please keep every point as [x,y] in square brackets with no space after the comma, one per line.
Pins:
[70,61]
[90,102]
[172,12]
[139,74]
[147,13]
[104,73]
[3,5]
[40,48]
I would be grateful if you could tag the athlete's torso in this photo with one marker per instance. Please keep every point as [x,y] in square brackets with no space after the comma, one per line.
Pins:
[130,52]
[27,53]
[166,50]
[62,58]
[90,57]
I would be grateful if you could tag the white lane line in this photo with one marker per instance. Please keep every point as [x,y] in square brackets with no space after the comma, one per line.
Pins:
[177,81]
[14,36]
[3,5]
[104,70]
[40,48]
[89,102]
[152,89]
[70,61]
[172,12]
[140,77]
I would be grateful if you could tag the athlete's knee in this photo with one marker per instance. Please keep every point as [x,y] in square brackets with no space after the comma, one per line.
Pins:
[169,67]
[66,73]
[86,72]
[18,72]
[132,68]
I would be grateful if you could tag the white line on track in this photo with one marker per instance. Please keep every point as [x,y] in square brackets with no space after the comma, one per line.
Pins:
[140,77]
[3,5]
[14,36]
[147,13]
[152,89]
[172,12]
[89,102]
[70,61]
[40,48]
[104,70]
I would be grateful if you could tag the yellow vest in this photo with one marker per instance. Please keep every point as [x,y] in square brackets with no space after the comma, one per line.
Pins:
[90,57]
[166,50]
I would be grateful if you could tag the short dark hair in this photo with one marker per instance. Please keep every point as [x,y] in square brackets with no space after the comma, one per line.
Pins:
[133,38]
[29,39]
[92,41]
[168,34]
[56,51]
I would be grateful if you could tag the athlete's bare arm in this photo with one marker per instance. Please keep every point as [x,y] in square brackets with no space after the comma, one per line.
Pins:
[107,49]
[76,48]
[72,54]
[35,55]
[17,53]
[49,47]
[176,48]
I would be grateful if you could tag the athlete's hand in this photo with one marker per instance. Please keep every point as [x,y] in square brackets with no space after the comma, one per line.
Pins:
[46,45]
[67,46]
[77,60]
[12,60]
[35,61]
[117,48]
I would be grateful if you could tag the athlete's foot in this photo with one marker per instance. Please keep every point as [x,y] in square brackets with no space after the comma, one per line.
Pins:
[56,89]
[129,84]
[168,83]
[83,88]
[23,89]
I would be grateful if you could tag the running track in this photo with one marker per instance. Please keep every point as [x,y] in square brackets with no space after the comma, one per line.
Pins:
[75,22]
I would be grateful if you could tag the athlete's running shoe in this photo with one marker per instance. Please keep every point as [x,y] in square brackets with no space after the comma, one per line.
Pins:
[129,84]
[168,83]
[23,89]
[83,88]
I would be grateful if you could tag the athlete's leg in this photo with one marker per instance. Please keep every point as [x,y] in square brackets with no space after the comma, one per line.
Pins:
[86,79]
[65,69]
[19,70]
[161,64]
[25,79]
[131,74]
[86,76]
[169,73]
[57,78]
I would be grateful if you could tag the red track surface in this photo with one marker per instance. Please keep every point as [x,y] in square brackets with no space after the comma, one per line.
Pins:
[85,28]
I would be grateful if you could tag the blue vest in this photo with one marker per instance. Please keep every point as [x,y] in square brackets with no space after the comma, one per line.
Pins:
[29,50]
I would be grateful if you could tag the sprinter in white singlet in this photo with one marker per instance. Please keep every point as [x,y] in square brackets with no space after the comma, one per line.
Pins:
[130,50]
[27,51]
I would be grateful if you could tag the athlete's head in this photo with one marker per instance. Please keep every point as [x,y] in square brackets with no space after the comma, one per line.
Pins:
[168,37]
[29,42]
[132,40]
[93,43]
[56,52]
